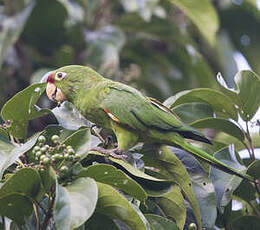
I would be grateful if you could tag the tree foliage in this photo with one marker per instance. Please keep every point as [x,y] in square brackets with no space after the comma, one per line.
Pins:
[171,50]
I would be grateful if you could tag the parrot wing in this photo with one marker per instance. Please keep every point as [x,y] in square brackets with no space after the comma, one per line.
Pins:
[129,107]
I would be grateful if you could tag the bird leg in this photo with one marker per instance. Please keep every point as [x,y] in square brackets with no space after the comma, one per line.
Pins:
[116,153]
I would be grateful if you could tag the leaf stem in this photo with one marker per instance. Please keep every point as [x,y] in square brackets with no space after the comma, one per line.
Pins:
[37,215]
[250,142]
[254,208]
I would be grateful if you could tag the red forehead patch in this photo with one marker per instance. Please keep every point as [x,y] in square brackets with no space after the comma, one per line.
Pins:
[50,78]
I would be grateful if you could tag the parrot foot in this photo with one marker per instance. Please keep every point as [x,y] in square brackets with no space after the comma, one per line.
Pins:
[116,153]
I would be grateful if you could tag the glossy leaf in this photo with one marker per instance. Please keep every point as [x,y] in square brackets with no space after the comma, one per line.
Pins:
[61,211]
[98,221]
[80,141]
[220,103]
[246,222]
[48,178]
[203,187]
[4,134]
[15,153]
[203,15]
[225,184]
[170,166]
[173,206]
[16,206]
[110,175]
[247,101]
[5,151]
[24,103]
[111,203]
[131,169]
[254,169]
[220,125]
[69,117]
[160,223]
[191,112]
[82,194]
[11,28]
[25,181]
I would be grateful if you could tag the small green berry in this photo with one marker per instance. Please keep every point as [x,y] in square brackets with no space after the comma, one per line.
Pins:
[66,156]
[71,151]
[55,139]
[69,147]
[76,156]
[46,161]
[38,154]
[192,226]
[41,139]
[42,157]
[56,157]
[36,148]
[64,169]
[43,149]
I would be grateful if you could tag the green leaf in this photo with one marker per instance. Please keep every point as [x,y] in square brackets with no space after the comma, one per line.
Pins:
[220,103]
[82,195]
[254,169]
[61,210]
[98,221]
[160,223]
[51,130]
[11,154]
[220,125]
[173,206]
[4,134]
[191,112]
[109,174]
[25,181]
[16,206]
[111,203]
[202,186]
[80,141]
[5,151]
[170,166]
[11,28]
[69,117]
[25,109]
[131,169]
[48,177]
[248,86]
[246,191]
[224,183]
[203,15]
[246,222]
[245,94]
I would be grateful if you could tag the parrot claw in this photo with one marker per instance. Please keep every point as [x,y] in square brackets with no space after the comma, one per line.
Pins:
[116,153]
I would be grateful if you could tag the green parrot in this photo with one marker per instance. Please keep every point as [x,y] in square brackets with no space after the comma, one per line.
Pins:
[130,115]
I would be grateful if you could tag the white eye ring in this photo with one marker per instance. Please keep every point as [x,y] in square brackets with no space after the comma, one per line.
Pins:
[59,76]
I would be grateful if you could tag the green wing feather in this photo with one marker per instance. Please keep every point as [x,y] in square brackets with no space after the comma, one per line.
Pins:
[143,113]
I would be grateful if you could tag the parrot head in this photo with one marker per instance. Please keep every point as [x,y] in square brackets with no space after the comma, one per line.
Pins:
[65,82]
[53,92]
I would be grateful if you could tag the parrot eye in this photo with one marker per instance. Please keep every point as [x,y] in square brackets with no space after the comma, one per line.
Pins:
[60,75]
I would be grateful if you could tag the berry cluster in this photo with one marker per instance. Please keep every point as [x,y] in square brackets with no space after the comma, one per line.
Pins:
[59,156]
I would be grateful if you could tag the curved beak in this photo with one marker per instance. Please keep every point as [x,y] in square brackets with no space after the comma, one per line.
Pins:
[53,92]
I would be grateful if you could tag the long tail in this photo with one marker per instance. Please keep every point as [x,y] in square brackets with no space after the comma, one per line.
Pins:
[210,159]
